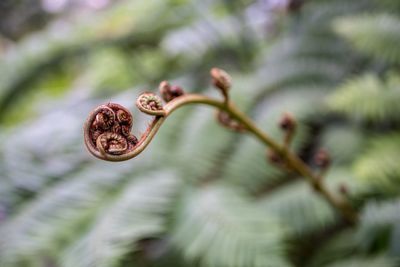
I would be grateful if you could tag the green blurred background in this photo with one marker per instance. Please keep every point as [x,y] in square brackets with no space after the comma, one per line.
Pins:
[199,195]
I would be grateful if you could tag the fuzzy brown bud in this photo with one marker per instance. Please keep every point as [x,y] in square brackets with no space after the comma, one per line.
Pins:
[169,92]
[221,80]
[322,158]
[287,122]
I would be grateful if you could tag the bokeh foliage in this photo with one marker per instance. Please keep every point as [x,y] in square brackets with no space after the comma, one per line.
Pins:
[201,195]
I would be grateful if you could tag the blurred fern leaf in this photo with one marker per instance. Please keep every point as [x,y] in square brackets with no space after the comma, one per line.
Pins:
[379,165]
[217,227]
[368,98]
[374,34]
[139,212]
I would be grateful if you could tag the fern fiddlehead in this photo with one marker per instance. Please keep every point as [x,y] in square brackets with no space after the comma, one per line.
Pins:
[107,132]
[150,104]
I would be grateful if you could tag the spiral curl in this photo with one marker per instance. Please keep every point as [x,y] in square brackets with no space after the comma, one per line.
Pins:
[108,131]
[151,104]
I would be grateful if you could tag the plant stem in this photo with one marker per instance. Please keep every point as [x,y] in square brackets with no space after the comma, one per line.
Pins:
[342,205]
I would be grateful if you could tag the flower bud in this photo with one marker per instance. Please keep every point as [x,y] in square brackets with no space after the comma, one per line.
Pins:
[169,92]
[287,122]
[221,80]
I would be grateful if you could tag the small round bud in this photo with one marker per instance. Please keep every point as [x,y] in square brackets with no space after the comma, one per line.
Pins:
[287,122]
[221,79]
[322,158]
[169,92]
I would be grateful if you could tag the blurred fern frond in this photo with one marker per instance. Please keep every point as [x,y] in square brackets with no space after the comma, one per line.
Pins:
[375,34]
[368,98]
[379,226]
[379,165]
[338,246]
[139,212]
[51,220]
[217,227]
[300,212]
[343,142]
